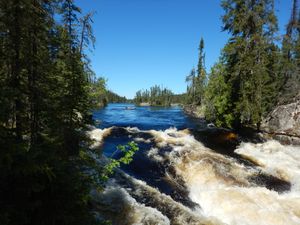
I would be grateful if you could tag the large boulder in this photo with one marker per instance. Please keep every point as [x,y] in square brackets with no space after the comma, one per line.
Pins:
[284,122]
[195,111]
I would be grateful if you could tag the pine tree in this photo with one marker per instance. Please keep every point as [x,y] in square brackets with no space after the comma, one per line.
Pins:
[217,97]
[74,87]
[44,92]
[290,79]
[201,76]
[191,88]
[252,25]
[197,80]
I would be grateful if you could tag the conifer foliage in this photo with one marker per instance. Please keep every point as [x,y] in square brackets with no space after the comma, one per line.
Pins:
[251,24]
[45,105]
[156,96]
[290,57]
[253,73]
[197,80]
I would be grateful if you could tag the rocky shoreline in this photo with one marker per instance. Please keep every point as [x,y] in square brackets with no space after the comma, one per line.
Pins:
[282,124]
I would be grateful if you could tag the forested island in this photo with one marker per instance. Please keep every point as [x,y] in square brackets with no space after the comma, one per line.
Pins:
[158,96]
[49,162]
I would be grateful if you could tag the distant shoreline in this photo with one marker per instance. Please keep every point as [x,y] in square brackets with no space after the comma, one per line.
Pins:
[148,104]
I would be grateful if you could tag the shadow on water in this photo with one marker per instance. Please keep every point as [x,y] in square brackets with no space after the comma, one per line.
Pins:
[222,141]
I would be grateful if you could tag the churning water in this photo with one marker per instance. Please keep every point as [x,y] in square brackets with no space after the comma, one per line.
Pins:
[186,173]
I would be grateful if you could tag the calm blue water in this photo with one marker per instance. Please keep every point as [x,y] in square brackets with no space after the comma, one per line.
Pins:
[144,117]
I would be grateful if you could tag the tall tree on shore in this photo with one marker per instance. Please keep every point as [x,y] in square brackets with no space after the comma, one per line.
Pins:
[197,79]
[43,94]
[200,80]
[191,87]
[252,24]
[290,60]
[217,97]
[74,88]
[12,80]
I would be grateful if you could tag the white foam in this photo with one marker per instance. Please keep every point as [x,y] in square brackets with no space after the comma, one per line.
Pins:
[274,158]
[153,154]
[97,135]
[125,210]
[220,185]
[139,139]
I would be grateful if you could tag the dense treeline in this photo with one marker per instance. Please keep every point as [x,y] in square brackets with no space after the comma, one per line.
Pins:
[254,73]
[156,96]
[45,100]
[101,96]
[179,98]
[112,97]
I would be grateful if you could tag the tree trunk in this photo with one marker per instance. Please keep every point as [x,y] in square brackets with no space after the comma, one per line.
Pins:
[16,69]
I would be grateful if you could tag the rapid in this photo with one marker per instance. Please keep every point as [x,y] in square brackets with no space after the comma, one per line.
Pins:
[187,173]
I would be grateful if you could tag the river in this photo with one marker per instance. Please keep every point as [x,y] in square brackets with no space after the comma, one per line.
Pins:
[187,173]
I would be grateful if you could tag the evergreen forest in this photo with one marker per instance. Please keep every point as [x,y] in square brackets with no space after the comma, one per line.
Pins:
[49,91]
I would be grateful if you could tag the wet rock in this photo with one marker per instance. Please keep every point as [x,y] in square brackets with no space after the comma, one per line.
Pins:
[287,140]
[249,134]
[270,182]
[119,132]
[221,140]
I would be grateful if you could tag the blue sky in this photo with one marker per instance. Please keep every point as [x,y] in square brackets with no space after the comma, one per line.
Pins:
[140,43]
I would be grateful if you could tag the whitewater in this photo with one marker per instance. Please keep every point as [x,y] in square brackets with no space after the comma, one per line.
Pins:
[177,178]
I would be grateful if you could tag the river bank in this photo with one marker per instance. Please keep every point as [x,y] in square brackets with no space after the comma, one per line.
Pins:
[281,124]
[158,105]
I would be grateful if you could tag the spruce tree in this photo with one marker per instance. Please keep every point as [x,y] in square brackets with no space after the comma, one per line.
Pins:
[43,94]
[197,79]
[290,79]
[201,76]
[191,87]
[252,24]
[217,97]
